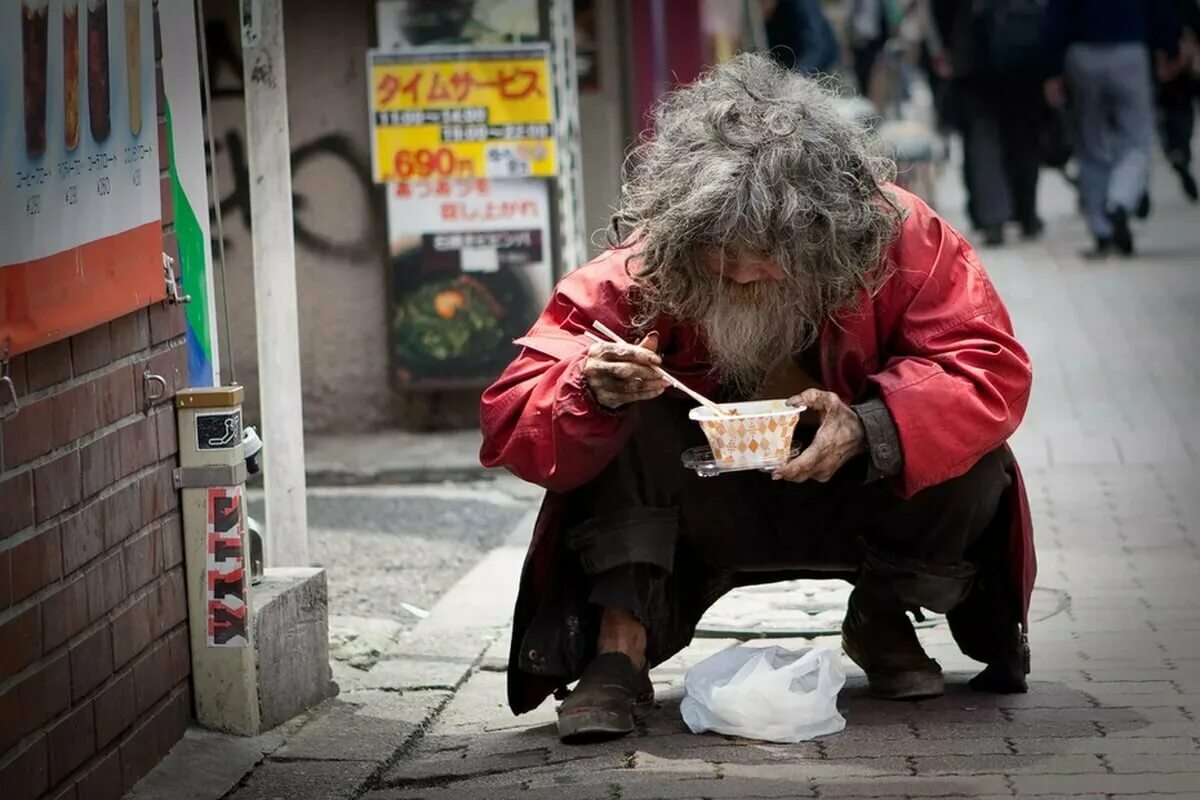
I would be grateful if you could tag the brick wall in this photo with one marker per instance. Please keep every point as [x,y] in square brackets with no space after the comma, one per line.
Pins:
[94,655]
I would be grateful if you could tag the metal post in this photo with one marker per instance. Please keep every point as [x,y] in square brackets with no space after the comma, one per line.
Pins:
[211,477]
[275,281]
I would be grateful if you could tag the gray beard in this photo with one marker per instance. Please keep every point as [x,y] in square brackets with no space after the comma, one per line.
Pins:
[749,328]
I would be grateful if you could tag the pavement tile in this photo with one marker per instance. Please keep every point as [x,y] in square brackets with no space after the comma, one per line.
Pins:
[1067,785]
[1008,765]
[931,786]
[327,780]
[1123,763]
[913,746]
[363,726]
[1104,745]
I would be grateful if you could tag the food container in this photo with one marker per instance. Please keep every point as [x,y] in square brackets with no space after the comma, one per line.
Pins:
[759,436]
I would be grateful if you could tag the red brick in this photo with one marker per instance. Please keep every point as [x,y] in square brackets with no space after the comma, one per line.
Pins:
[143,559]
[26,776]
[179,655]
[168,605]
[171,364]
[140,751]
[45,694]
[48,365]
[100,464]
[29,435]
[16,371]
[152,678]
[6,583]
[159,495]
[131,631]
[172,541]
[105,585]
[104,781]
[91,349]
[91,663]
[16,504]
[20,641]
[38,563]
[130,334]
[167,321]
[64,614]
[122,512]
[82,537]
[116,709]
[115,395]
[66,793]
[57,486]
[139,445]
[172,721]
[168,200]
[12,723]
[71,743]
[74,412]
[168,438]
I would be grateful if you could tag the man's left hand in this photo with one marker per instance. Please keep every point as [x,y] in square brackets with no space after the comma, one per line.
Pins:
[840,437]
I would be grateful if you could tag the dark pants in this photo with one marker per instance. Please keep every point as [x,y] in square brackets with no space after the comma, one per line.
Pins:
[1002,131]
[1175,99]
[631,522]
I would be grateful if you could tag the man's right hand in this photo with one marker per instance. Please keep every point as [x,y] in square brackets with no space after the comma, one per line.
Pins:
[619,374]
[1055,90]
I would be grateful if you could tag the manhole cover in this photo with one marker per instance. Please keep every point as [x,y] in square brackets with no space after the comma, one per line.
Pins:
[807,608]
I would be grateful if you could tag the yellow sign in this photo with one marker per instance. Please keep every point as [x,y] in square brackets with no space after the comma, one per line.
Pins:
[462,113]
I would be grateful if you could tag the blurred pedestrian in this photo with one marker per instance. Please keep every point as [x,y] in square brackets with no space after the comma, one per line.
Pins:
[1177,89]
[871,23]
[800,36]
[997,61]
[1098,49]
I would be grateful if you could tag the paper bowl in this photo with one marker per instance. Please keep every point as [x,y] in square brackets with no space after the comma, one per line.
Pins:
[759,436]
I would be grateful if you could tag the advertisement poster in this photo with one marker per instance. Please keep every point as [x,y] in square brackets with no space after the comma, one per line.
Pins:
[79,167]
[412,23]
[470,263]
[225,570]
[189,186]
[461,112]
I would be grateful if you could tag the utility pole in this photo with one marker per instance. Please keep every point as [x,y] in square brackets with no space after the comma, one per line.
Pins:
[272,233]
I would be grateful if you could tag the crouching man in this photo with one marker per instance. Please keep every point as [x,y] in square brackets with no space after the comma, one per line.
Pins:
[760,250]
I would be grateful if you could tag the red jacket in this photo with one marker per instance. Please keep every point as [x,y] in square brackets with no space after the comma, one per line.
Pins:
[934,342]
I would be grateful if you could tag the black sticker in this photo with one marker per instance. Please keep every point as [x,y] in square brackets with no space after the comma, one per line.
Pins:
[219,431]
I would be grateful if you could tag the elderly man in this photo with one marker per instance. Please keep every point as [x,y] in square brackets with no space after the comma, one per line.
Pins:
[759,250]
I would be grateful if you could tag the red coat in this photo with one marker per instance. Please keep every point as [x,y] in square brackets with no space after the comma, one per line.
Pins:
[935,343]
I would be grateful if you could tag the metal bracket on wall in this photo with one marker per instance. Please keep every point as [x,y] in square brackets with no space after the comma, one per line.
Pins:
[174,295]
[212,476]
[152,397]
[8,389]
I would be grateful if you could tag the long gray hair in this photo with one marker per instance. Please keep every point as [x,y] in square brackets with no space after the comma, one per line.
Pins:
[753,160]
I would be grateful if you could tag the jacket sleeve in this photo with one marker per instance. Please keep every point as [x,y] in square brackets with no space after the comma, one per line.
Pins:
[956,381]
[538,419]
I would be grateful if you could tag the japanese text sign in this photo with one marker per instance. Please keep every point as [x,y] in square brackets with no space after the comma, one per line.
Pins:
[463,112]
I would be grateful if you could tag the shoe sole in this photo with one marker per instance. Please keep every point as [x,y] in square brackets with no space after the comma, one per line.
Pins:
[588,725]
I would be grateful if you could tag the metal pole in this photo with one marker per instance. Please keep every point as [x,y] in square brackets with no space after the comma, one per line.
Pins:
[275,282]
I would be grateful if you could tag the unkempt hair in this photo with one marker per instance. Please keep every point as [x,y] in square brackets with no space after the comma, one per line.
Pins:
[753,160]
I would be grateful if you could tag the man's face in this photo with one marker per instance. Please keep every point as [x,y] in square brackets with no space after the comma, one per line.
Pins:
[752,320]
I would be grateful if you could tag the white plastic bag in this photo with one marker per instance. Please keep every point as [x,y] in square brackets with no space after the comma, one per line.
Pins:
[766,693]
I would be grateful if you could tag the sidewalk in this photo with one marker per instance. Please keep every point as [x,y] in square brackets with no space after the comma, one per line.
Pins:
[1112,456]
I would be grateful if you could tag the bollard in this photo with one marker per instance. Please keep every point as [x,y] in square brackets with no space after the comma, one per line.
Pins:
[212,477]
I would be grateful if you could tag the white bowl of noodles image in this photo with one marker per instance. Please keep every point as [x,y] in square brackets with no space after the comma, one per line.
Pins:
[758,435]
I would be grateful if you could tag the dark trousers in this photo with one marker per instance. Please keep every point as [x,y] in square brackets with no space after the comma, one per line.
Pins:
[1175,102]
[631,523]
[1002,130]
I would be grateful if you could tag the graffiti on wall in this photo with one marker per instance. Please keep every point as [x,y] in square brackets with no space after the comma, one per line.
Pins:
[329,157]
[225,570]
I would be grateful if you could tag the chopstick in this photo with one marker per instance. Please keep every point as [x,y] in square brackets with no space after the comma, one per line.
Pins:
[668,377]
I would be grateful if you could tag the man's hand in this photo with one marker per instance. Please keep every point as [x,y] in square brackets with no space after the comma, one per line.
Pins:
[619,374]
[1056,92]
[840,437]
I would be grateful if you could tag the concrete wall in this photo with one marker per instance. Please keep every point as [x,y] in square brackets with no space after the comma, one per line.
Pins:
[339,213]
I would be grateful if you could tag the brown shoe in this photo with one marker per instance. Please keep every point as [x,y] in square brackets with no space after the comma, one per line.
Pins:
[878,636]
[611,697]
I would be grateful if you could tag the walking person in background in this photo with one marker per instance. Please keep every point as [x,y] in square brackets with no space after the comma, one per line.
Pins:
[870,25]
[1098,50]
[998,66]
[800,36]
[1177,88]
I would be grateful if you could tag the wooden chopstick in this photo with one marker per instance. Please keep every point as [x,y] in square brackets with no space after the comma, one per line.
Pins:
[671,379]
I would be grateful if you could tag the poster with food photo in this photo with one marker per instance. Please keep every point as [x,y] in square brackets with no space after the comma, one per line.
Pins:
[79,166]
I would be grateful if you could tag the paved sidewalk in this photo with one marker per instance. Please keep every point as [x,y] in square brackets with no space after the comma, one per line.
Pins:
[1110,449]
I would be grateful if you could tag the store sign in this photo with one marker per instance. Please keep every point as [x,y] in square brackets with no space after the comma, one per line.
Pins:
[79,167]
[470,271]
[462,112]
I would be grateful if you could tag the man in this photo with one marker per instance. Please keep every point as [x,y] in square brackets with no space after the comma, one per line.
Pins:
[760,250]
[799,36]
[1098,48]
